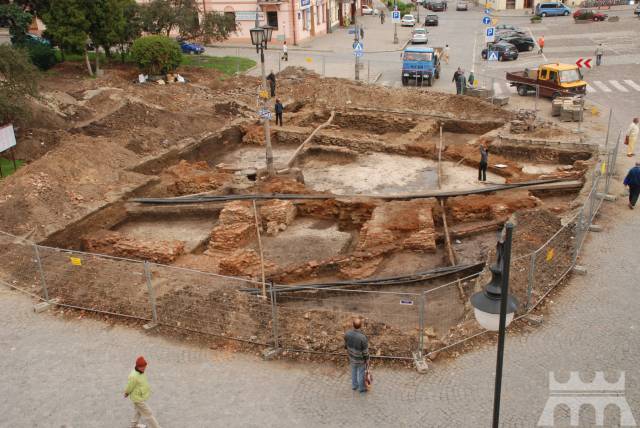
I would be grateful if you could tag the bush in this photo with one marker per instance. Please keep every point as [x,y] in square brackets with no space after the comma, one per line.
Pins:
[41,55]
[156,54]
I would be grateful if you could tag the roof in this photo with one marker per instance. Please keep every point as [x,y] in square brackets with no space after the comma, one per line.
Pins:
[418,49]
[560,67]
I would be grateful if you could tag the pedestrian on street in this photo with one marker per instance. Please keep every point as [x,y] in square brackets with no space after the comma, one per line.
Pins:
[271,78]
[540,44]
[471,79]
[455,79]
[445,54]
[599,53]
[279,109]
[382,16]
[357,345]
[632,180]
[484,162]
[139,391]
[361,32]
[445,5]
[462,82]
[285,51]
[632,136]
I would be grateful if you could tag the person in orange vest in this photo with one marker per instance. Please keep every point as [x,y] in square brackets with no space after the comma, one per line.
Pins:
[540,44]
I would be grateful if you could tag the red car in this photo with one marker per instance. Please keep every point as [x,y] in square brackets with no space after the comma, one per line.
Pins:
[588,14]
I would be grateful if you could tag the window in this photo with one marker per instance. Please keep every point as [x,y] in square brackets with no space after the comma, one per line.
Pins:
[272,19]
[417,56]
[568,76]
[553,76]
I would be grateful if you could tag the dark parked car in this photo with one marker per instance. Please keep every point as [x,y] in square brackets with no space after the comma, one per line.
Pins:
[437,6]
[501,27]
[431,21]
[522,43]
[504,51]
[191,48]
[509,33]
[637,11]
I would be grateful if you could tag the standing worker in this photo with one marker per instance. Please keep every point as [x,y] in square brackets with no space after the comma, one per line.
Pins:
[456,74]
[632,136]
[445,54]
[462,82]
[540,44]
[279,109]
[271,78]
[139,391]
[599,53]
[484,162]
[285,51]
[357,346]
[632,180]
[361,32]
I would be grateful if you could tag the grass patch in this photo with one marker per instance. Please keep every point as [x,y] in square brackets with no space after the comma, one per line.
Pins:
[225,64]
[7,166]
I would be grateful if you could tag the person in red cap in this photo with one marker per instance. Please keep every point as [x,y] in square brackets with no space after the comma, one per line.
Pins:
[139,391]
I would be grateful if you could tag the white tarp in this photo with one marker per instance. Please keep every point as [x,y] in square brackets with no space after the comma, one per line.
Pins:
[7,138]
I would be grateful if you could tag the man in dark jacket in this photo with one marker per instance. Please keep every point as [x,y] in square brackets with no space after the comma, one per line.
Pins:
[279,109]
[456,79]
[357,346]
[484,163]
[271,80]
[632,180]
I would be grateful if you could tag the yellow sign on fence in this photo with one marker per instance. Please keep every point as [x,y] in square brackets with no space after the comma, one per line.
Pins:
[264,94]
[603,168]
[76,261]
[550,253]
[309,59]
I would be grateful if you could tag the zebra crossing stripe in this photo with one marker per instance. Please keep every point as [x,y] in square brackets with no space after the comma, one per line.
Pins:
[590,88]
[618,86]
[633,84]
[496,88]
[601,86]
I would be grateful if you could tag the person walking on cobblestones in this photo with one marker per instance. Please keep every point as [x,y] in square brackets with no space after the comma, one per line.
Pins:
[271,80]
[382,16]
[484,163]
[279,108]
[632,180]
[445,54]
[139,391]
[632,136]
[540,44]
[599,53]
[357,345]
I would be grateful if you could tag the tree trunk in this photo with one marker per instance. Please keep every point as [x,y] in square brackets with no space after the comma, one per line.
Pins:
[86,60]
[97,61]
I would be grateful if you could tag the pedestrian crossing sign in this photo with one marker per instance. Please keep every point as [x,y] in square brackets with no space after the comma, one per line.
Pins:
[493,56]
[357,47]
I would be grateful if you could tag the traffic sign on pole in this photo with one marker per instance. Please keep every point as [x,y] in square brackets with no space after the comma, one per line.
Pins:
[486,20]
[493,56]
[490,34]
[395,16]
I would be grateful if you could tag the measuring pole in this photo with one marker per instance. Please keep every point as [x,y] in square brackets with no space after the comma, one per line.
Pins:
[356,40]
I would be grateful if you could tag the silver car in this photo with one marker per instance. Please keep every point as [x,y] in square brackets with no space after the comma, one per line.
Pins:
[462,5]
[419,35]
[408,21]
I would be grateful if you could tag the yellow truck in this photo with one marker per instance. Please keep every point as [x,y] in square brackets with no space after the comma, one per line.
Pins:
[553,80]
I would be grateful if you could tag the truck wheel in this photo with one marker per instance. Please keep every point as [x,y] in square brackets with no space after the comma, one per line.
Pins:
[555,95]
[436,74]
[522,90]
[404,81]
[429,81]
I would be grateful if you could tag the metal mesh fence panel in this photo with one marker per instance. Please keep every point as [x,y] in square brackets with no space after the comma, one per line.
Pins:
[95,282]
[209,304]
[20,265]
[315,320]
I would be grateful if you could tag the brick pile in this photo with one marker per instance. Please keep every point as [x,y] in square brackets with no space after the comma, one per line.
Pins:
[120,245]
[276,215]
[236,227]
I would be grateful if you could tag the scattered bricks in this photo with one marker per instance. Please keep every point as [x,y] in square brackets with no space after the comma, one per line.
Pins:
[489,207]
[197,177]
[244,263]
[231,236]
[277,215]
[358,268]
[117,244]
[580,270]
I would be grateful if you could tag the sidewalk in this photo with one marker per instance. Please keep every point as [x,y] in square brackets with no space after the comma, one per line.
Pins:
[58,373]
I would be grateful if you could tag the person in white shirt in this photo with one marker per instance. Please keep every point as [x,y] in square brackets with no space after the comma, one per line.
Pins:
[632,136]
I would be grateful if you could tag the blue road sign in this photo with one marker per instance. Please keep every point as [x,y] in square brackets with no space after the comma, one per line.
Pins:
[395,15]
[358,53]
[493,56]
[357,47]
[486,20]
[487,11]
[490,31]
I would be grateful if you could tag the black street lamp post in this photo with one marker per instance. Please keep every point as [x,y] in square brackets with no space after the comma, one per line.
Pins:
[494,308]
[260,37]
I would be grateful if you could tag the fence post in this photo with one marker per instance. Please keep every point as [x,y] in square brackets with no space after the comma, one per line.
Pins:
[531,277]
[579,232]
[152,297]
[493,88]
[274,316]
[423,297]
[43,280]
[368,71]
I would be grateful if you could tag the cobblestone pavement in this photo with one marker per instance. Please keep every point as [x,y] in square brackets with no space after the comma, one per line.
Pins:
[56,373]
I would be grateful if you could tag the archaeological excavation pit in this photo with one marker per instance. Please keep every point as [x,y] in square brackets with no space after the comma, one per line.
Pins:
[373,195]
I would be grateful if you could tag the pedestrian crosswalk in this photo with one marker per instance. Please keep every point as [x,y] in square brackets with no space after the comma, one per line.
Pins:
[504,88]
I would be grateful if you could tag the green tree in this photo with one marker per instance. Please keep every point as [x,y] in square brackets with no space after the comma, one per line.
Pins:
[17,19]
[132,28]
[159,17]
[18,81]
[156,54]
[68,27]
